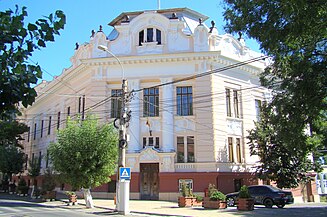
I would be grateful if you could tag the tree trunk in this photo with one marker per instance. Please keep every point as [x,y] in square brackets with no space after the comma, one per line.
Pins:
[32,192]
[88,198]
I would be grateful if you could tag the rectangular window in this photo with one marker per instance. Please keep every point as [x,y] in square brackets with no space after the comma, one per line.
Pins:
[157,144]
[151,141]
[47,160]
[180,149]
[190,149]
[188,182]
[141,37]
[79,104]
[68,111]
[228,104]
[28,134]
[230,149]
[144,142]
[116,103]
[34,137]
[149,34]
[238,150]
[257,109]
[184,101]
[83,107]
[236,104]
[151,102]
[58,121]
[158,35]
[42,126]
[49,127]
[40,158]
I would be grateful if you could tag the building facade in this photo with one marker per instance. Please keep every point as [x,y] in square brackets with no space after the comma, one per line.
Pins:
[194,95]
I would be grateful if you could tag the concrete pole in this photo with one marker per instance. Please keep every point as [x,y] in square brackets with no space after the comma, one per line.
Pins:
[122,203]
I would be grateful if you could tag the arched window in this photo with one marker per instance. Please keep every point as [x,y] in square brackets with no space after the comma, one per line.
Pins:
[149,35]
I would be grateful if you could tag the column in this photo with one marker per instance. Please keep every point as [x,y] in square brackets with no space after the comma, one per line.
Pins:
[167,108]
[134,125]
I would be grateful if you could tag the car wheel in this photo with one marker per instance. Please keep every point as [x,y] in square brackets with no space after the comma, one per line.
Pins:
[281,205]
[268,203]
[230,201]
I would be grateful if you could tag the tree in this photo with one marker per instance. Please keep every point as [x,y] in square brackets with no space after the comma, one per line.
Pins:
[85,154]
[12,160]
[17,43]
[294,35]
[34,171]
[10,133]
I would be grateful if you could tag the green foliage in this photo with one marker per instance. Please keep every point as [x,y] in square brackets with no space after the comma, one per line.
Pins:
[86,153]
[186,190]
[244,192]
[35,167]
[12,160]
[294,35]
[217,195]
[49,182]
[70,193]
[198,198]
[22,187]
[17,43]
[211,189]
[10,133]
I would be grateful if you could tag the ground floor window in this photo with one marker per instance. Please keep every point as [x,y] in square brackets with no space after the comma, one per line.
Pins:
[188,182]
[112,186]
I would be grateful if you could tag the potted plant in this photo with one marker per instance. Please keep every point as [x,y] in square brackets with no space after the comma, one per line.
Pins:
[72,197]
[187,199]
[48,186]
[22,188]
[217,200]
[245,202]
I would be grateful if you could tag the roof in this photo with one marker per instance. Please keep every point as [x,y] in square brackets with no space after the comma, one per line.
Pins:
[184,11]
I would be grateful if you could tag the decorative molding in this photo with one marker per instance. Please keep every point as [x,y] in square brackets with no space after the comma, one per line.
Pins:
[149,155]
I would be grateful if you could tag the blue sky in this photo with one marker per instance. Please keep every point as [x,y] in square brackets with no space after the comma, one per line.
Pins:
[84,15]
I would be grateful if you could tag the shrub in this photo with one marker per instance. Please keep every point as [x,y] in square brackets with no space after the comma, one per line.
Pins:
[211,189]
[49,182]
[186,190]
[244,192]
[198,198]
[218,196]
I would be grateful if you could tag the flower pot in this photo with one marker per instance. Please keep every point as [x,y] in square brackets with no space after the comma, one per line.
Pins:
[222,205]
[245,204]
[72,199]
[210,204]
[186,201]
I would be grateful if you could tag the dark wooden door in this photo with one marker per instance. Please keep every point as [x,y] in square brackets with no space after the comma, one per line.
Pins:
[149,181]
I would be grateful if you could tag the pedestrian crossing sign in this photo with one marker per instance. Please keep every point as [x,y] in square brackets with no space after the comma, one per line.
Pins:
[125,173]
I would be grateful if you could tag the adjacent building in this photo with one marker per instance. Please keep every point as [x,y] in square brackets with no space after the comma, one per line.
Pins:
[195,94]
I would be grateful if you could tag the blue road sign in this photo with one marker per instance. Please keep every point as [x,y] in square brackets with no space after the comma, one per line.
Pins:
[125,173]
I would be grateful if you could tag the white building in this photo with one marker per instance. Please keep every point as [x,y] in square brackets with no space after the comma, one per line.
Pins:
[190,129]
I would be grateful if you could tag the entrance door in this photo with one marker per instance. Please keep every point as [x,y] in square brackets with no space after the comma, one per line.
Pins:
[149,181]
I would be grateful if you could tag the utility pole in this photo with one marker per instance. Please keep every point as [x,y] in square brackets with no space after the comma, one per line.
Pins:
[123,184]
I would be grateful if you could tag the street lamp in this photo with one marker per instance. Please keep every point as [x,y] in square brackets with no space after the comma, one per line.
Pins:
[122,188]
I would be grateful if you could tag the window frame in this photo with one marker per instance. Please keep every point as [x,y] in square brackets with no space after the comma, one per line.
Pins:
[184,100]
[148,94]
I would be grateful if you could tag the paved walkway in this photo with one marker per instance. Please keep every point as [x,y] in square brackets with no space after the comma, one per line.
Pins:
[165,208]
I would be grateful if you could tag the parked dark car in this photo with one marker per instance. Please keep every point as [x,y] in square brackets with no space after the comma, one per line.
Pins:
[264,195]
